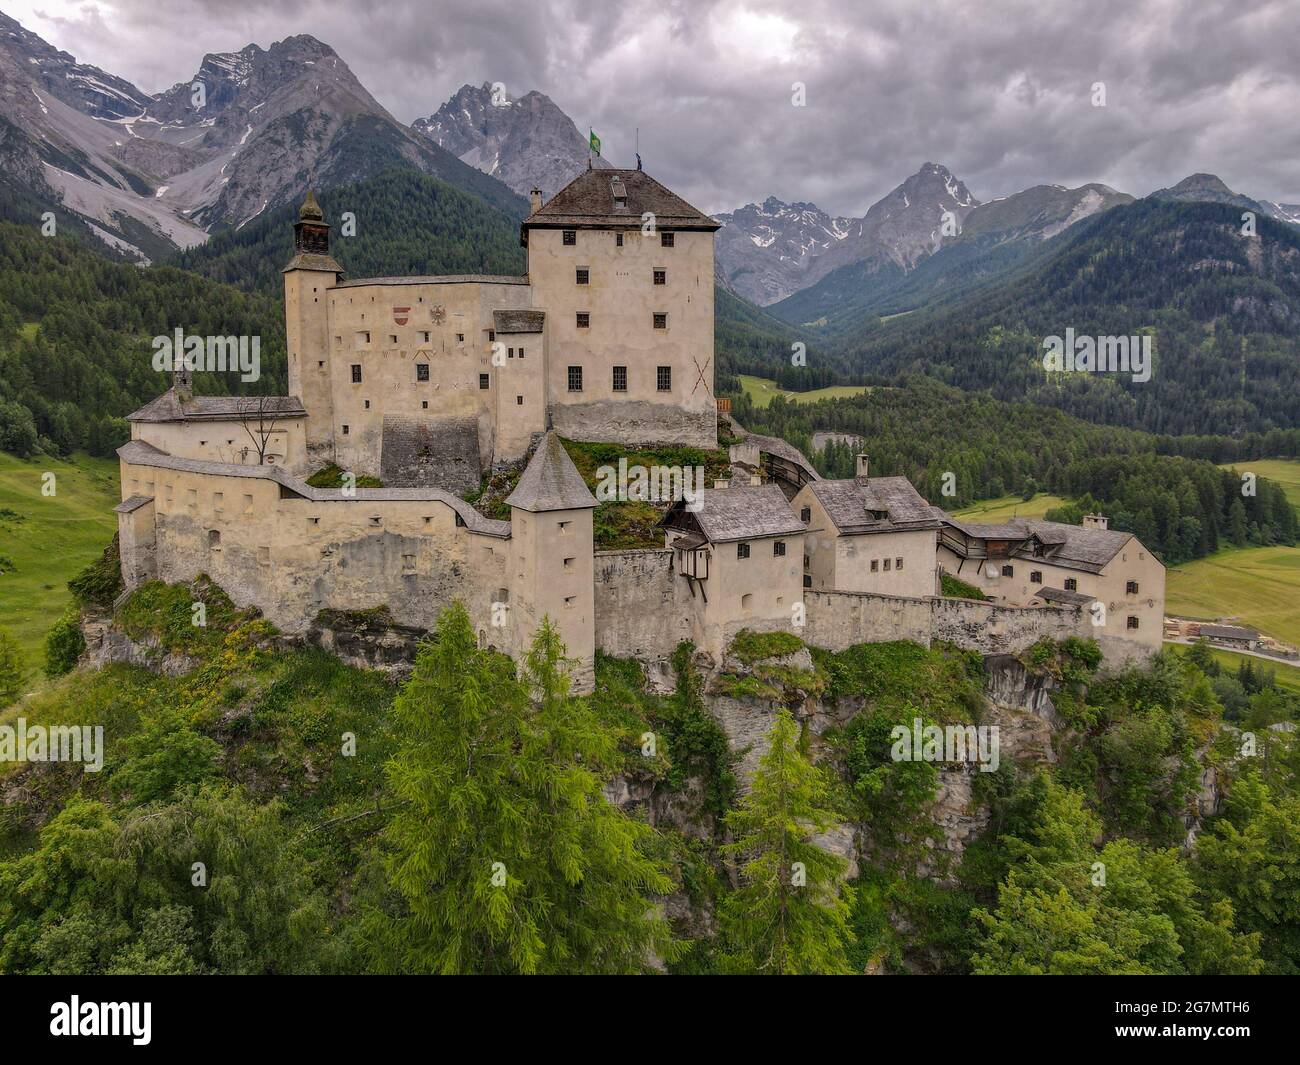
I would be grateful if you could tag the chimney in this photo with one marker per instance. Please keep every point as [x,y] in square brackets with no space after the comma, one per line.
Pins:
[863,466]
[535,199]
[1096,521]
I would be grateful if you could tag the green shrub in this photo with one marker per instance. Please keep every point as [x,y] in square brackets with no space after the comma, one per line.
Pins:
[64,644]
[955,588]
[100,583]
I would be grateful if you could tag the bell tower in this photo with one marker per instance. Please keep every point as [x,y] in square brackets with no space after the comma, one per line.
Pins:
[310,275]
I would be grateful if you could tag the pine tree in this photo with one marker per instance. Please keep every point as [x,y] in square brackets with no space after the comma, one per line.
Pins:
[506,855]
[790,916]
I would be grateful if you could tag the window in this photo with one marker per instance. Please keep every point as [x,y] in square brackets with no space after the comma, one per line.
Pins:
[887,561]
[367,404]
[742,550]
[666,239]
[661,277]
[521,353]
[1008,571]
[570,237]
[660,320]
[392,340]
[1035,576]
[356,373]
[510,353]
[421,371]
[1071,585]
[519,401]
[568,563]
[214,539]
[584,319]
[345,430]
[1131,623]
[807,580]
[424,404]
[424,337]
[575,378]
[483,381]
[805,515]
[745,601]
[1131,588]
[620,378]
[875,565]
[492,336]
[460,338]
[584,275]
[664,377]
[460,522]
[778,549]
[898,563]
[618,240]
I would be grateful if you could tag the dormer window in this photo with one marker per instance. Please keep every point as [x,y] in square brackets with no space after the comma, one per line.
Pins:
[619,192]
[878,515]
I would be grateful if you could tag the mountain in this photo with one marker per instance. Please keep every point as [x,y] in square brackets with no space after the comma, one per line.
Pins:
[768,252]
[993,238]
[1206,188]
[1222,310]
[249,131]
[524,142]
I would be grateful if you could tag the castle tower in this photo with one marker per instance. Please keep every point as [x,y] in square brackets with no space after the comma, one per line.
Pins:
[311,273]
[551,535]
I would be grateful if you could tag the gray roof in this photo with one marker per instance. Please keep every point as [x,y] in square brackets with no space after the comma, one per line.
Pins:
[1229,632]
[588,200]
[132,503]
[139,453]
[783,449]
[170,407]
[1070,546]
[551,481]
[848,504]
[438,279]
[745,513]
[518,321]
[306,260]
[1060,595]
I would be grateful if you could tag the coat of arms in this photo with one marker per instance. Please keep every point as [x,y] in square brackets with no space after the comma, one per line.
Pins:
[438,314]
[401,315]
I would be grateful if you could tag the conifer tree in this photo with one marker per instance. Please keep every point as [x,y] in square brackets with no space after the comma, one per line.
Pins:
[789,916]
[506,855]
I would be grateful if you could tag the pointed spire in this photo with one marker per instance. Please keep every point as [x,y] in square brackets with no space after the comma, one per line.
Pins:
[551,481]
[310,210]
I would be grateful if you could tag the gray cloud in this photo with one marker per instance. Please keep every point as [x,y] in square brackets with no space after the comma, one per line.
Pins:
[998,91]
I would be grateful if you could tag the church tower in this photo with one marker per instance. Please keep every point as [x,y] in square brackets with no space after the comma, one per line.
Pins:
[311,273]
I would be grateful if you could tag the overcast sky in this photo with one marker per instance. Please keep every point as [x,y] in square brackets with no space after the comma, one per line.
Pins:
[1000,91]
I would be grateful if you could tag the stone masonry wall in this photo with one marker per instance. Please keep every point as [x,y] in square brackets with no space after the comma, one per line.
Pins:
[643,607]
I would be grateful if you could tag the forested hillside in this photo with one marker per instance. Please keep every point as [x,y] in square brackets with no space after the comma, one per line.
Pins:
[406,223]
[1223,311]
[75,333]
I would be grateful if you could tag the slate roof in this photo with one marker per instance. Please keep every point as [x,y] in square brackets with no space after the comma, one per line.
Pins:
[588,200]
[551,481]
[1071,546]
[745,513]
[848,504]
[1229,632]
[438,279]
[306,260]
[518,321]
[139,453]
[132,503]
[169,407]
[1060,595]
[783,449]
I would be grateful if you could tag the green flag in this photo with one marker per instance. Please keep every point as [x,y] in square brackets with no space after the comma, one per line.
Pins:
[595,141]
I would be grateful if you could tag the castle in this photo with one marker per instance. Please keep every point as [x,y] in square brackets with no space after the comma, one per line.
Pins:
[429,382]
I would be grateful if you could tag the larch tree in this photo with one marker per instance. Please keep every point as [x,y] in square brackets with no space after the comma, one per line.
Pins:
[790,915]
